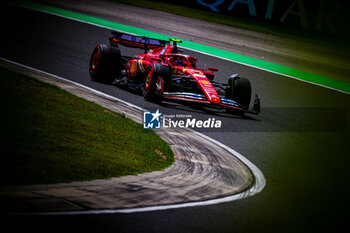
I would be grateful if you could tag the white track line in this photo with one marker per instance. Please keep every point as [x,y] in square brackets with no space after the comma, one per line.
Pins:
[258,186]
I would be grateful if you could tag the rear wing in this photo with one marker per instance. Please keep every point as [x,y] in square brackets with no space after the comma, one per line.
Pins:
[136,41]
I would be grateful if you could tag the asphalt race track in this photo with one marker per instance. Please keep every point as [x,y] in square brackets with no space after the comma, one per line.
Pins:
[299,141]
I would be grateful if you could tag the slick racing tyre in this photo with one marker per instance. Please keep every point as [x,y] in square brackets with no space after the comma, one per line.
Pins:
[240,91]
[156,79]
[105,63]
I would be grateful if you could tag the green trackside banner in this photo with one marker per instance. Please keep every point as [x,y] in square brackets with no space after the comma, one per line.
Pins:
[253,62]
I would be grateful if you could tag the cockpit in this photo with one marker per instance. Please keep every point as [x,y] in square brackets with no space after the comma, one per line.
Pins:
[181,60]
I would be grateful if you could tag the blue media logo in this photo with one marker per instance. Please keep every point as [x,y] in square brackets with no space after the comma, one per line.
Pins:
[151,120]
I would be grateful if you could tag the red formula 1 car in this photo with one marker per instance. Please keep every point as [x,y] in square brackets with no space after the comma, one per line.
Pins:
[163,73]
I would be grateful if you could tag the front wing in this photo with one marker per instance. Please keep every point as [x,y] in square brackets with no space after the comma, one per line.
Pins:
[201,99]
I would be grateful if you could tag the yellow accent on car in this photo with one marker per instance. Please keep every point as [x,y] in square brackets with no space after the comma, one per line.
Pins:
[142,68]
[175,40]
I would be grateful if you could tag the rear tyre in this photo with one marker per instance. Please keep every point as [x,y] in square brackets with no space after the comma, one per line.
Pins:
[240,91]
[150,90]
[105,63]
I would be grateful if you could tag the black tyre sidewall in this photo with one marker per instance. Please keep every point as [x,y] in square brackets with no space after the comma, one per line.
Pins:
[108,63]
[158,70]
[239,90]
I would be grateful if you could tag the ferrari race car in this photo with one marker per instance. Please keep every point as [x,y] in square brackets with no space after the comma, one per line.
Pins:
[164,73]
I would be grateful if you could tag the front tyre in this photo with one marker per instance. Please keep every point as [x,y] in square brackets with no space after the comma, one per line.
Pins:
[239,90]
[156,79]
[105,63]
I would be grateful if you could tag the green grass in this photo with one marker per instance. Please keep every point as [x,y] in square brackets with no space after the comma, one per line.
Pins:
[51,136]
